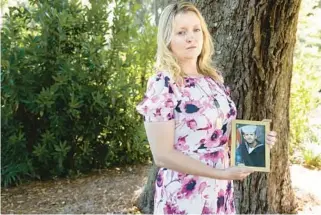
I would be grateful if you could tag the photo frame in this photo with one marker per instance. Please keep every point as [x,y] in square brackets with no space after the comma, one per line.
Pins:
[248,146]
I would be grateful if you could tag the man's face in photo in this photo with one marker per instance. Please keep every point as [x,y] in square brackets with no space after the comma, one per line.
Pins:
[249,137]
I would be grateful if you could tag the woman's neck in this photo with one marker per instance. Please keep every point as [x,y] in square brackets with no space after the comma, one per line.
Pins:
[190,68]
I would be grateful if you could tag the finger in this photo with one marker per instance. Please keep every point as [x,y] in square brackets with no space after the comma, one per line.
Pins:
[272,134]
[267,120]
[271,140]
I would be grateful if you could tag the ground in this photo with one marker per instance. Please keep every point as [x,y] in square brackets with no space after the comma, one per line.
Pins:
[114,191]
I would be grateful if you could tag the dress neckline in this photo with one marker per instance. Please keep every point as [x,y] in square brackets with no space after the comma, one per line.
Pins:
[195,77]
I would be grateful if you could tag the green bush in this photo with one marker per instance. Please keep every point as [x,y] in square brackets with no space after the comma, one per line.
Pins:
[71,77]
[311,159]
[303,100]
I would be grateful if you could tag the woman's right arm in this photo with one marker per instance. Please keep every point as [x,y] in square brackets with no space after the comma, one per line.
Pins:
[161,139]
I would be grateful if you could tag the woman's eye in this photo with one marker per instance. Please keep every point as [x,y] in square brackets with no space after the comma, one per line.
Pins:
[197,30]
[181,33]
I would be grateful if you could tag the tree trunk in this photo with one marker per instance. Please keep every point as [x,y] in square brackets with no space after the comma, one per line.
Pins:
[254,43]
[145,201]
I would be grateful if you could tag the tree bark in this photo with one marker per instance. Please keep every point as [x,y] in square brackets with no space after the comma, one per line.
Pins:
[145,201]
[254,43]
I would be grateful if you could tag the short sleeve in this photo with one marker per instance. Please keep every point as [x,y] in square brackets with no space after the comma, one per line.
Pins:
[159,100]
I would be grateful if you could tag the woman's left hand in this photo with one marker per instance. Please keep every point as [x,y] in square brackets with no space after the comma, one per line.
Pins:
[271,139]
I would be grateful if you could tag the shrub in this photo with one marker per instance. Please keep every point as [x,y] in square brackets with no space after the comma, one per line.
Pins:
[70,80]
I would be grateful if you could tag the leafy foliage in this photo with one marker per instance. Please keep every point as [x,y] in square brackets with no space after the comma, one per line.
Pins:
[306,83]
[71,76]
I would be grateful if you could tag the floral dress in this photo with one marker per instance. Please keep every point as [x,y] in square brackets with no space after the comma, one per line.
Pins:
[203,111]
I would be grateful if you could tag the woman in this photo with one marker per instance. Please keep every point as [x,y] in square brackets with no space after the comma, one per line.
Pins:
[188,113]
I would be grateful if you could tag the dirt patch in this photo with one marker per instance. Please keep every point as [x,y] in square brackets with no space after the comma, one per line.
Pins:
[307,188]
[109,190]
[114,190]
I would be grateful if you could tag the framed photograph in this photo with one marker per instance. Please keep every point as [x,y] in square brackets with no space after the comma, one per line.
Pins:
[248,145]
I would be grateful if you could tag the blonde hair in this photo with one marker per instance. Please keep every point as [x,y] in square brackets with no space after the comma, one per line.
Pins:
[165,60]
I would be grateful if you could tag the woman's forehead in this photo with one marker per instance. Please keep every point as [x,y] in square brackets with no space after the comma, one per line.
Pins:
[186,19]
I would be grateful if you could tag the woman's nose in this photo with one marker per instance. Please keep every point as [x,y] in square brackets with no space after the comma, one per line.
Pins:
[189,37]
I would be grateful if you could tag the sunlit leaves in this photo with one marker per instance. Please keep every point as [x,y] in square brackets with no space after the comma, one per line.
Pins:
[71,77]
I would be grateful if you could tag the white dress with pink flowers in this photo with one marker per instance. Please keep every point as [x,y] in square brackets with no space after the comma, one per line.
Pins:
[203,111]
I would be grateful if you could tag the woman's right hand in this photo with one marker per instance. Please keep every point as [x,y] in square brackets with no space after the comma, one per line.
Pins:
[237,172]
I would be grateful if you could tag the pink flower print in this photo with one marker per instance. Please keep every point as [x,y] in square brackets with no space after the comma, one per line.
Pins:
[182,140]
[212,87]
[192,124]
[171,208]
[207,210]
[202,187]
[220,201]
[216,134]
[223,140]
[190,82]
[169,103]
[181,144]
[206,128]
[158,112]
[200,145]
[145,97]
[213,156]
[154,99]
[145,109]
[181,176]
[232,206]
[221,192]
[188,187]
[232,112]
[186,93]
[215,139]
[170,116]
[202,142]
[159,179]
[229,188]
[227,91]
[168,96]
[159,76]
[205,106]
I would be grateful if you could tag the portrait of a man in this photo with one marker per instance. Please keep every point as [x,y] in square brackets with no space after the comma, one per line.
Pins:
[251,149]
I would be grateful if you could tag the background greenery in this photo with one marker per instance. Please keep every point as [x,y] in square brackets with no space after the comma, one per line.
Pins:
[305,103]
[72,74]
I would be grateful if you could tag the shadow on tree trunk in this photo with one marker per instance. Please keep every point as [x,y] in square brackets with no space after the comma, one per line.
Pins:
[145,201]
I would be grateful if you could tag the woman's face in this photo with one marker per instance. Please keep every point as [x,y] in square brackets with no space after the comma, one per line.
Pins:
[187,38]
